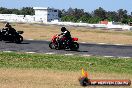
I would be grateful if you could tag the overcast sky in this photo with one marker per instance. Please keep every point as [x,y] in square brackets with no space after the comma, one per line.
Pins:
[87,5]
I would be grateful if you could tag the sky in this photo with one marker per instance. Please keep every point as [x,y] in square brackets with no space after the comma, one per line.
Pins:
[87,5]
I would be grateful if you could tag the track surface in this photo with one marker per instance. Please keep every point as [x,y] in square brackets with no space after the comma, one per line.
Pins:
[85,49]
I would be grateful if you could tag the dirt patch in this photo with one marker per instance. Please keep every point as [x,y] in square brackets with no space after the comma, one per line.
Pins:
[45,32]
[39,78]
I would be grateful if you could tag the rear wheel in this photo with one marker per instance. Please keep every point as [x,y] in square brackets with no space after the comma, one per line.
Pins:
[74,46]
[19,39]
[0,38]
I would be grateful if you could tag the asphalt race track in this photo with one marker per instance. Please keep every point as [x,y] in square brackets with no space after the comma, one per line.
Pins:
[32,46]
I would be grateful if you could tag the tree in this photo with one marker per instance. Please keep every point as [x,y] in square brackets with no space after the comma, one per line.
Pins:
[16,11]
[112,16]
[27,11]
[78,13]
[23,11]
[122,14]
[85,18]
[70,12]
[4,10]
[94,20]
[100,13]
[69,18]
[75,12]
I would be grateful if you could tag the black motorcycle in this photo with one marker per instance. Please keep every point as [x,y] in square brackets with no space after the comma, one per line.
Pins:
[15,37]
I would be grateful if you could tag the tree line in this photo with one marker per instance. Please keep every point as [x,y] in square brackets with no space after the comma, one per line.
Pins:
[79,15]
[23,11]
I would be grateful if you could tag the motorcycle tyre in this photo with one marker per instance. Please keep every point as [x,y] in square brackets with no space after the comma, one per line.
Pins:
[74,46]
[18,39]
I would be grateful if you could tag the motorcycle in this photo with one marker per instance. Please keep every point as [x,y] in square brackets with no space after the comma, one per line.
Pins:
[55,43]
[16,37]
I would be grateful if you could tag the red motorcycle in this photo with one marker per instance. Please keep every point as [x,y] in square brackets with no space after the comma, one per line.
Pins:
[55,43]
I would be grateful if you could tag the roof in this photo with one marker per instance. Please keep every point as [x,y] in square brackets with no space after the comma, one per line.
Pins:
[41,8]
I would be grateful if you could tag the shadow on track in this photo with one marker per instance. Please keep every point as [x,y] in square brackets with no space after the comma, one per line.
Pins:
[18,43]
[23,43]
[82,51]
[77,50]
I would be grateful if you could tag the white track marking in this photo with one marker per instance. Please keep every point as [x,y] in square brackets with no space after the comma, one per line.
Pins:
[50,53]
[108,56]
[31,52]
[101,43]
[69,54]
[124,57]
[118,44]
[30,39]
[8,51]
[83,42]
[86,55]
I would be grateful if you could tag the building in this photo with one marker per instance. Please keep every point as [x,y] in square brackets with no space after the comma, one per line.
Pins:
[104,22]
[46,14]
[41,15]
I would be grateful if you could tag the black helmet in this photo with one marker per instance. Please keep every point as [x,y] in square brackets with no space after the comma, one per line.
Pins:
[7,24]
[63,29]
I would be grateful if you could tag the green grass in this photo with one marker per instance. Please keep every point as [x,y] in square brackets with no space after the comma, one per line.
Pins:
[66,63]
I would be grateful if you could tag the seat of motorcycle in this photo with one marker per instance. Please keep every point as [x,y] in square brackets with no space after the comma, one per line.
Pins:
[20,32]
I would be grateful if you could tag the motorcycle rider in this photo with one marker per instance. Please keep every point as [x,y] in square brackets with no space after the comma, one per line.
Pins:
[9,29]
[66,36]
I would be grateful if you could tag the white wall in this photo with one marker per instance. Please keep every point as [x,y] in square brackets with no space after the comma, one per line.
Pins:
[41,15]
[41,12]
[45,14]
[11,17]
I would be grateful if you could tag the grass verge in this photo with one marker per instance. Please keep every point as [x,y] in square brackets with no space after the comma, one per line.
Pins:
[66,63]
[20,70]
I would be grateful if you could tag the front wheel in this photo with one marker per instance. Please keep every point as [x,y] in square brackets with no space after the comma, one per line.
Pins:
[57,47]
[51,45]
[74,46]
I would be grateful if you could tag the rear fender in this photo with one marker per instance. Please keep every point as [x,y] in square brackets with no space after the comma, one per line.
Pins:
[74,39]
[20,32]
